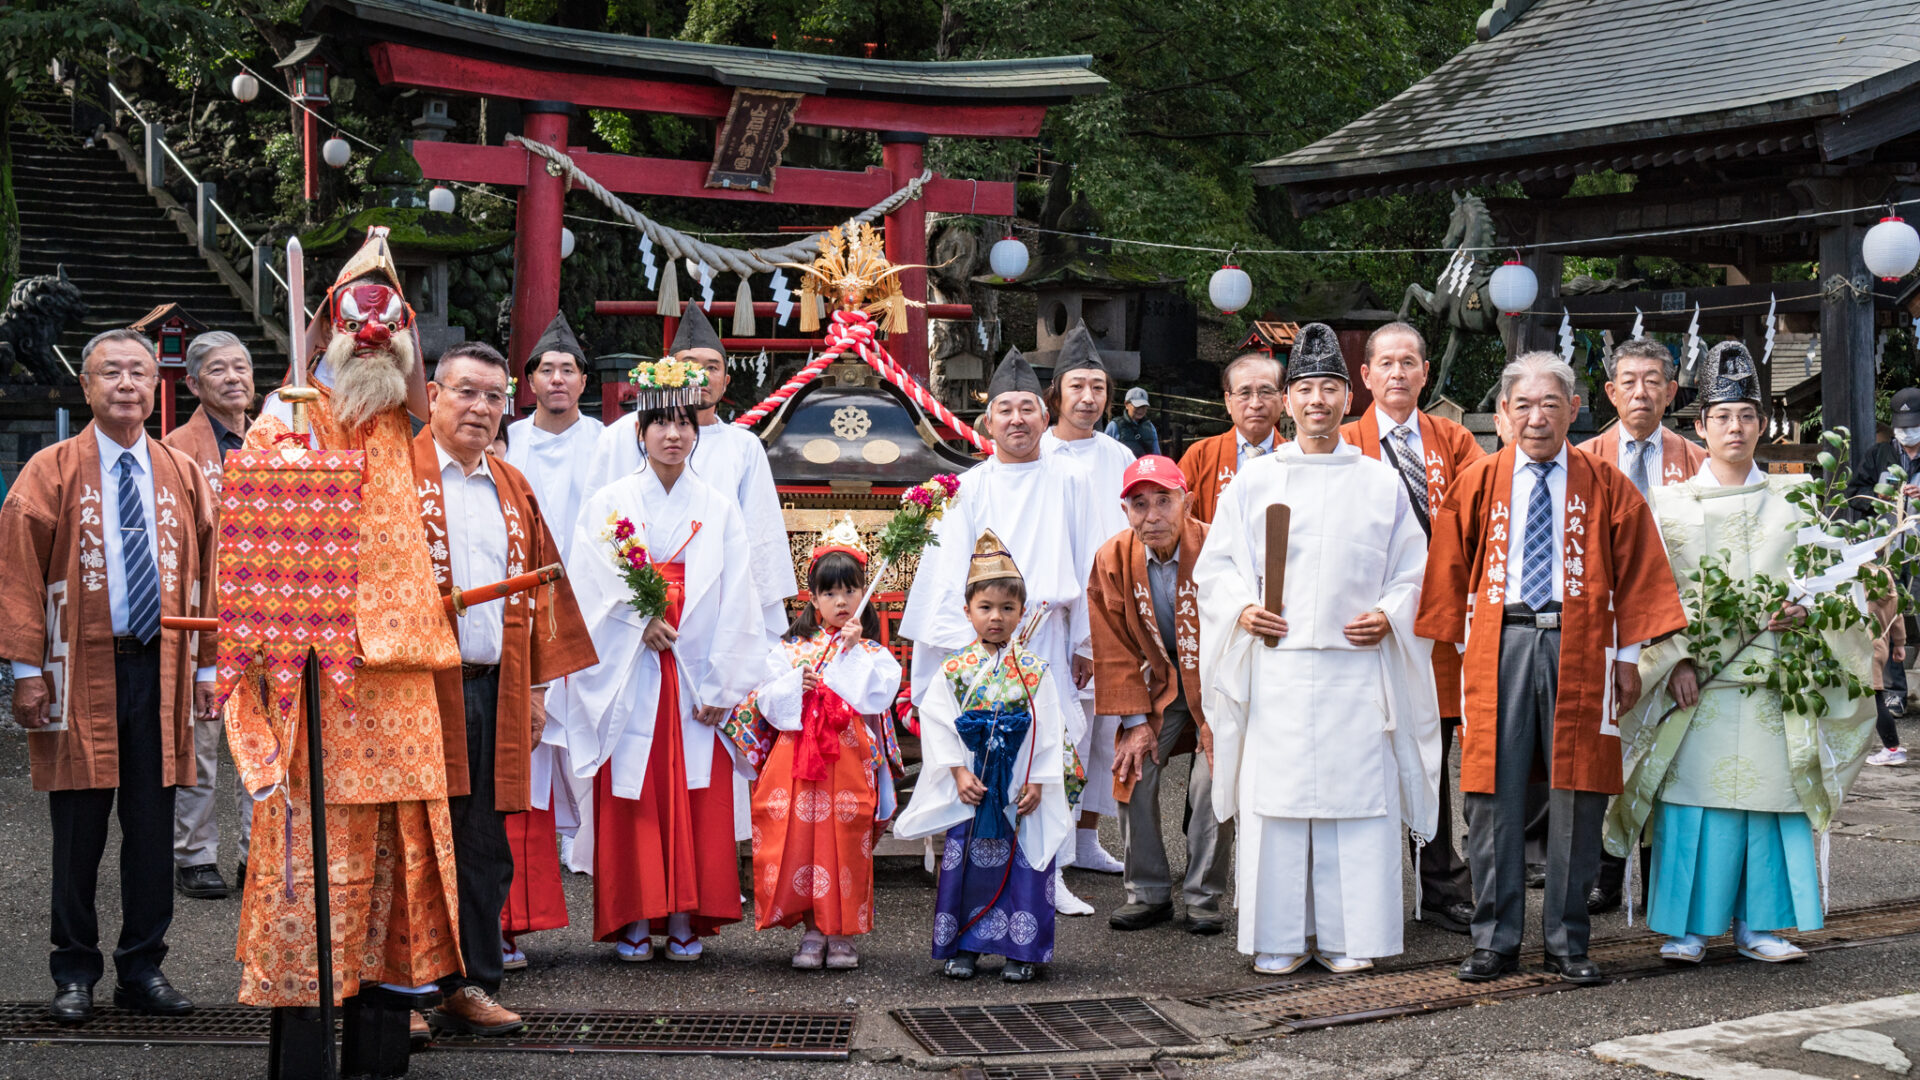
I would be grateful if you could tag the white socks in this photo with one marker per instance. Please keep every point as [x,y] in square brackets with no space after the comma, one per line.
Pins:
[1064,901]
[1089,855]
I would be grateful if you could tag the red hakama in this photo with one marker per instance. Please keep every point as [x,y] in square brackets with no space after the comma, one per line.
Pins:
[813,840]
[671,850]
[535,901]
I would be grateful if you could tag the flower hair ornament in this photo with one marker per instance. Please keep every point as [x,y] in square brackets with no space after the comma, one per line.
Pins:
[841,536]
[660,384]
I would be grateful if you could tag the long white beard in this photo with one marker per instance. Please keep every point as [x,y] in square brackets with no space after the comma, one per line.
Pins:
[365,387]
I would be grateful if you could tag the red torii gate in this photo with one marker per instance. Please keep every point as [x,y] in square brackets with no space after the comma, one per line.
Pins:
[445,48]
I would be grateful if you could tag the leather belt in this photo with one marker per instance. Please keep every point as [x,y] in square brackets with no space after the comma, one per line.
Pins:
[470,672]
[133,646]
[1520,615]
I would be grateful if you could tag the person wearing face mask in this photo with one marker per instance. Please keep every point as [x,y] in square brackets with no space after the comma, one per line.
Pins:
[1901,452]
[1039,507]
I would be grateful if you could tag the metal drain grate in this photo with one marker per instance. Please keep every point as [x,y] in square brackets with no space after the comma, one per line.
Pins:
[727,1034]
[772,1035]
[1099,1070]
[1305,1002]
[1046,1027]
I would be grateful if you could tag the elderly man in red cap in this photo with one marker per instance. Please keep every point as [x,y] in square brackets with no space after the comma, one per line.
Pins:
[1146,638]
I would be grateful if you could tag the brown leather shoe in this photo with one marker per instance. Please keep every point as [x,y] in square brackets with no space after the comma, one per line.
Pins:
[419,1033]
[472,1010]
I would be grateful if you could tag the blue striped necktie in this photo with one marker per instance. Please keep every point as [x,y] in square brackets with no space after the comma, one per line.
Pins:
[136,557]
[1536,565]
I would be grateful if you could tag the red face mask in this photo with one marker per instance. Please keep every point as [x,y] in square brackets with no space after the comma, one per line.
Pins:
[370,313]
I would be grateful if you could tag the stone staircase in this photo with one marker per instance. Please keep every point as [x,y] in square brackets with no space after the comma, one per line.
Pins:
[84,209]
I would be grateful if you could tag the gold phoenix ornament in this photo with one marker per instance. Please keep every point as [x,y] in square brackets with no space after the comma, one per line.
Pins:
[853,270]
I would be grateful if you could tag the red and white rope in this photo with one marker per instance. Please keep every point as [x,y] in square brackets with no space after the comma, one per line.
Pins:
[853,331]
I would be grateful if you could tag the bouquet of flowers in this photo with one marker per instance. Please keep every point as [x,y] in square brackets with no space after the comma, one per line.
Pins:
[648,587]
[911,530]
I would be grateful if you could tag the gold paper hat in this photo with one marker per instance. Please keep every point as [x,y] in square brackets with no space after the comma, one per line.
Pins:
[842,536]
[991,561]
[374,257]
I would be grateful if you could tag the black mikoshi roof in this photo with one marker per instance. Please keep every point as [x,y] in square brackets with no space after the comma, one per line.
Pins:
[859,433]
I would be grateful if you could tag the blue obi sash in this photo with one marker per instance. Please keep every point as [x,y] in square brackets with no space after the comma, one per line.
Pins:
[994,735]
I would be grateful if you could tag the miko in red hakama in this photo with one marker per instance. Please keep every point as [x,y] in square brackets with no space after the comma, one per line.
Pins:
[671,850]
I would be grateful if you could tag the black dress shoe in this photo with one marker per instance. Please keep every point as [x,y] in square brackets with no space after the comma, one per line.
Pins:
[1536,877]
[1140,916]
[1457,916]
[1205,925]
[1485,964]
[1601,901]
[201,882]
[153,995]
[1575,969]
[72,1004]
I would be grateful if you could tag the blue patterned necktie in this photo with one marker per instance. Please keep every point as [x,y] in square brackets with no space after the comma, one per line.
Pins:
[136,558]
[1638,473]
[1536,559]
[1414,470]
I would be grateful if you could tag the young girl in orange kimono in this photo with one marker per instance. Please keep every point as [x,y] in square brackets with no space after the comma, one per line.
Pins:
[826,786]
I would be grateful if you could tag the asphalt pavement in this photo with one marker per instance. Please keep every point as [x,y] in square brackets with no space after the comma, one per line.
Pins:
[1547,1036]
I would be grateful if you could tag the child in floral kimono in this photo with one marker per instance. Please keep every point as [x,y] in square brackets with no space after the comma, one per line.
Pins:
[826,784]
[992,772]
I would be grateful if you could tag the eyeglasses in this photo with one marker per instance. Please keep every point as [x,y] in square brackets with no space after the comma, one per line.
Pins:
[465,396]
[132,375]
[1249,393]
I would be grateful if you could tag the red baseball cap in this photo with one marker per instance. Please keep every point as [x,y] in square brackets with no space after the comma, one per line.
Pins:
[1155,469]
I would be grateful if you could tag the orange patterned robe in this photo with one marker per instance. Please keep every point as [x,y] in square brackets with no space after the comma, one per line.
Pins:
[389,838]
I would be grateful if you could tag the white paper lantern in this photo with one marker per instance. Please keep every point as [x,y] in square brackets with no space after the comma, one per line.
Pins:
[1008,258]
[245,87]
[1513,287]
[440,199]
[1230,288]
[1890,249]
[335,152]
[566,242]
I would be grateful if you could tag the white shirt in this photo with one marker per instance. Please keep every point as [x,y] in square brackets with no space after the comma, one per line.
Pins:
[1387,424]
[1523,484]
[110,452]
[1705,478]
[1241,446]
[476,553]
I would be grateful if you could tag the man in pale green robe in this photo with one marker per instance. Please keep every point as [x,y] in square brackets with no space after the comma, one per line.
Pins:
[1734,785]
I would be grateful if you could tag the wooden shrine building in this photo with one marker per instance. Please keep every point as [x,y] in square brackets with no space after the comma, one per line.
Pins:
[757,95]
[1760,136]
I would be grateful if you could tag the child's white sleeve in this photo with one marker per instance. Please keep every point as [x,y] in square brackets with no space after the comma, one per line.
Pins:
[781,694]
[867,677]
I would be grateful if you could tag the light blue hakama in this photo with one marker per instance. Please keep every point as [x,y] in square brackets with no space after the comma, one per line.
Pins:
[1712,866]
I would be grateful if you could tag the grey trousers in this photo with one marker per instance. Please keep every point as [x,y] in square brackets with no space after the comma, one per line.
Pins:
[1149,878]
[1496,845]
[196,816]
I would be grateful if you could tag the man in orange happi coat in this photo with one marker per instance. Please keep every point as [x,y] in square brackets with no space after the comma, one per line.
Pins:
[1429,452]
[1642,386]
[1555,557]
[389,837]
[484,525]
[1251,383]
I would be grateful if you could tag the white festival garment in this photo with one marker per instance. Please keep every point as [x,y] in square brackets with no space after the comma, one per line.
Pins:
[935,805]
[1323,748]
[732,460]
[722,652]
[556,467]
[1106,461]
[1034,508]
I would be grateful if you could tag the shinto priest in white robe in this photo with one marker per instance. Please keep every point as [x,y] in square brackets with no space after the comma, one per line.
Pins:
[1323,748]
[1105,462]
[611,706]
[732,461]
[557,466]
[1037,508]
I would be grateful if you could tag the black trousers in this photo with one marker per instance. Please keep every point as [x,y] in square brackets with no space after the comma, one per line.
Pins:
[483,862]
[1444,876]
[145,807]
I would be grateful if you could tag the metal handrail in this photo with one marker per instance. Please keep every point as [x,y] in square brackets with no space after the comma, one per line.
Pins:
[188,173]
